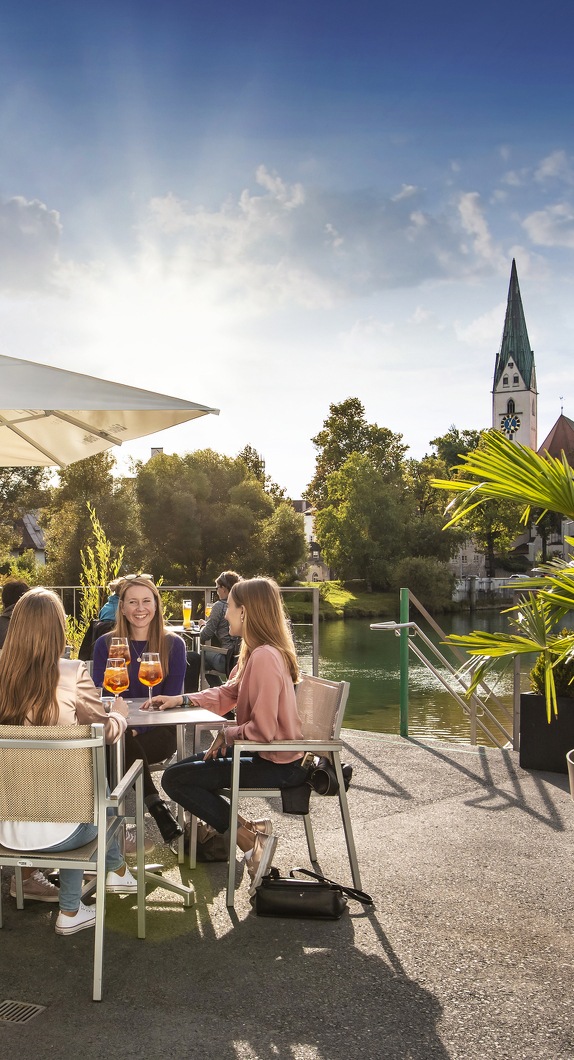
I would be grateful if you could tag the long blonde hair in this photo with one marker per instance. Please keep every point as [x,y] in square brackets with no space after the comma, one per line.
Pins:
[265,622]
[159,638]
[29,663]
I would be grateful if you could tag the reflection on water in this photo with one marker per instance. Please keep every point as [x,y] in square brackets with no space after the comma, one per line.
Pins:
[369,660]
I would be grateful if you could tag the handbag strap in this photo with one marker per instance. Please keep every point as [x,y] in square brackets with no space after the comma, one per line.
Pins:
[351,892]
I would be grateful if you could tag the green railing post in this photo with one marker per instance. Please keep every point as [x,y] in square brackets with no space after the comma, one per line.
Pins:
[404,664]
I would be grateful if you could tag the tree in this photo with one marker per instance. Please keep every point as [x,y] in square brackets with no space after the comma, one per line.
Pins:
[201,513]
[425,533]
[494,526]
[67,519]
[346,431]
[256,465]
[22,489]
[361,527]
[285,543]
[454,445]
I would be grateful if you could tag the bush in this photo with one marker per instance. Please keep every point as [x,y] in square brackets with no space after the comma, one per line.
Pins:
[563,675]
[428,579]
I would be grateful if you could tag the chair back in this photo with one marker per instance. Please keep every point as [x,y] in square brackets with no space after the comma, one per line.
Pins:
[47,783]
[321,707]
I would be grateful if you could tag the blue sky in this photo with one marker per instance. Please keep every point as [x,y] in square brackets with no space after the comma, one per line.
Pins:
[269,207]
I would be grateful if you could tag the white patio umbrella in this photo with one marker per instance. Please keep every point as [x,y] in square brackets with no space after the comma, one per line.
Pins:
[76,415]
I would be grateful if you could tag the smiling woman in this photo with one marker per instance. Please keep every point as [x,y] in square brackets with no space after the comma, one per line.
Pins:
[140,620]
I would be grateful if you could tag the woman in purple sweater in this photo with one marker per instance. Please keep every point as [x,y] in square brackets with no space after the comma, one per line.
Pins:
[140,619]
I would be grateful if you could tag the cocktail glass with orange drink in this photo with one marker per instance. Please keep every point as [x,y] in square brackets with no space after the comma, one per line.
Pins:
[150,672]
[187,613]
[116,678]
[120,649]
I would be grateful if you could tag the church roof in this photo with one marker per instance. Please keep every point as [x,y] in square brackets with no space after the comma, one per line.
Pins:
[560,439]
[515,342]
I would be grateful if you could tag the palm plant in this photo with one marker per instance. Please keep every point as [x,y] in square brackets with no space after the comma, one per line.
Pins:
[502,469]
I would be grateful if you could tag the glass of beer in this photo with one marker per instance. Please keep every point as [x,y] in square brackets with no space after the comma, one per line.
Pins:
[120,649]
[150,672]
[186,613]
[116,678]
[208,610]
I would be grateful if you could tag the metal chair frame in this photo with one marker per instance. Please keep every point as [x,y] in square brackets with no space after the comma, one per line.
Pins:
[92,856]
[332,747]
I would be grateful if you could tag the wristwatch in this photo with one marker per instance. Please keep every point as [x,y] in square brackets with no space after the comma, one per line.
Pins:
[185,701]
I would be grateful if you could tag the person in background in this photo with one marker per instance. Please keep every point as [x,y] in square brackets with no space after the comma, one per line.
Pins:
[38,687]
[140,619]
[12,590]
[262,688]
[218,626]
[110,608]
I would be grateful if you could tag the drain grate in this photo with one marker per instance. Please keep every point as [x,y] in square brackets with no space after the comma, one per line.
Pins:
[19,1011]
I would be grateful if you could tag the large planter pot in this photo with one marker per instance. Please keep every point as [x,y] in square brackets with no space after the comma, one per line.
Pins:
[544,745]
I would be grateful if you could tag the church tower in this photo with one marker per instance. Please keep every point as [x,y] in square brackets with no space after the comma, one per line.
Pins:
[514,408]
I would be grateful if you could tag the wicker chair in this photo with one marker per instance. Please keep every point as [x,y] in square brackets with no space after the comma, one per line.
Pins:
[58,774]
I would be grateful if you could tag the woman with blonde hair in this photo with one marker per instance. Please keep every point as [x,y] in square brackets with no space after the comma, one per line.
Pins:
[262,690]
[140,620]
[39,687]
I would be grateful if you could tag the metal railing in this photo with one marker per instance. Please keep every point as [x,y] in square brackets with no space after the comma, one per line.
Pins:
[476,707]
[71,599]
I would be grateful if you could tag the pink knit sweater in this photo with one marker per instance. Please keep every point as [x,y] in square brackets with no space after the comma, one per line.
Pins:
[266,708]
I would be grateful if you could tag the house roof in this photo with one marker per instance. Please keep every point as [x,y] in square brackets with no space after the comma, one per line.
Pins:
[560,440]
[515,344]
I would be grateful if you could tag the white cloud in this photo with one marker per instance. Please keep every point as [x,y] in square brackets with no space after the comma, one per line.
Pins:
[29,241]
[504,152]
[555,165]
[485,331]
[553,226]
[474,222]
[406,192]
[515,178]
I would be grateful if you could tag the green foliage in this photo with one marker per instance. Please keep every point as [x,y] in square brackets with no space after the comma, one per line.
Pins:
[454,445]
[345,433]
[26,567]
[67,518]
[563,671]
[338,602]
[360,528]
[285,543]
[22,489]
[429,580]
[99,568]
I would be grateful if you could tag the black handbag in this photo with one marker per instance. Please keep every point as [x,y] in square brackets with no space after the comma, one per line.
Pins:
[323,778]
[316,899]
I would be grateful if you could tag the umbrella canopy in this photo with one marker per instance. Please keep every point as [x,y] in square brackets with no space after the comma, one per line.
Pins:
[76,415]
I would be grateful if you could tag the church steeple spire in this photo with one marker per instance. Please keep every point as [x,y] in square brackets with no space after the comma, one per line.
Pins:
[515,344]
[514,392]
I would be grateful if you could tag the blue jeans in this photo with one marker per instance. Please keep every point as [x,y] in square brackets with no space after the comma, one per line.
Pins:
[193,782]
[71,879]
[215,660]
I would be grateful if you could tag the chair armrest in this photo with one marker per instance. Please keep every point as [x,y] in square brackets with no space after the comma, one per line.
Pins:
[289,745]
[126,782]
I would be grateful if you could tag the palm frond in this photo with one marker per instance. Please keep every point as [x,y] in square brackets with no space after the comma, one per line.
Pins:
[509,471]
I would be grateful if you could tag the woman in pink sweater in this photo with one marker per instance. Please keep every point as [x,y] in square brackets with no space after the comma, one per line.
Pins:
[262,691]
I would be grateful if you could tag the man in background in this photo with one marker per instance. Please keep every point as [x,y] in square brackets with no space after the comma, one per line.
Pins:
[11,592]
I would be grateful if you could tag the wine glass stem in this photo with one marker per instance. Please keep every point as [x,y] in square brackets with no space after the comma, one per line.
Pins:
[149,695]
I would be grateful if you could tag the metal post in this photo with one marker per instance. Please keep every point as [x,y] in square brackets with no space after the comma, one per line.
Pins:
[404,664]
[315,632]
[516,704]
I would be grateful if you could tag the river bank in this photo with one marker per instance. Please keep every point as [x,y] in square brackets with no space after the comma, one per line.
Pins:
[339,600]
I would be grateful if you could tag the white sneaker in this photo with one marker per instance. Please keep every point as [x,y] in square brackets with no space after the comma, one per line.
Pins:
[260,860]
[125,884]
[84,918]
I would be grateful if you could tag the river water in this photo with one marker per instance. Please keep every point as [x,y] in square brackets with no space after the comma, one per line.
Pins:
[349,650]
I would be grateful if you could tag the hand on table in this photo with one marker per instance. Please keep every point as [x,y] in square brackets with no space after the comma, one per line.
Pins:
[162,703]
[120,707]
[218,745]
